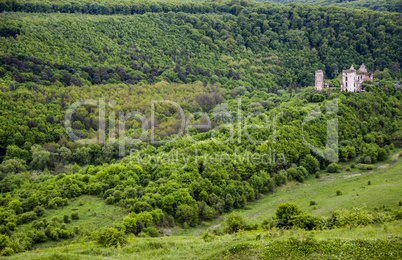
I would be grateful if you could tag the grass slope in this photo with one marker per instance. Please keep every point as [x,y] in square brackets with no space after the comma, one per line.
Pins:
[241,246]
[385,189]
[93,214]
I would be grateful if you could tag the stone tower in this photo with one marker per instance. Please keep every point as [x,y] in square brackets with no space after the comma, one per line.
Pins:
[319,80]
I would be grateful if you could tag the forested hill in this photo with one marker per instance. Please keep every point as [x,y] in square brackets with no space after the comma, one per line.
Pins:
[256,45]
[378,5]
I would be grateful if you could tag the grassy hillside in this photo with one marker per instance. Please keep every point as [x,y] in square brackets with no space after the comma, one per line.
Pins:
[384,190]
[240,246]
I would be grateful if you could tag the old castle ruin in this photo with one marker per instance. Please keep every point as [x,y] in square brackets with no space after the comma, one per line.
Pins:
[351,79]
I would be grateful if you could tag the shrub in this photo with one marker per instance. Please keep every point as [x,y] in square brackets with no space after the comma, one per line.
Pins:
[130,223]
[268,224]
[110,200]
[37,236]
[187,214]
[4,241]
[400,203]
[306,222]
[27,217]
[76,230]
[366,167]
[338,192]
[63,233]
[312,203]
[143,234]
[398,214]
[110,237]
[342,218]
[11,225]
[234,222]
[75,216]
[208,237]
[333,168]
[286,211]
[52,232]
[66,219]
[39,210]
[352,166]
[151,231]
[369,183]
[348,169]
[317,175]
[4,230]
[7,251]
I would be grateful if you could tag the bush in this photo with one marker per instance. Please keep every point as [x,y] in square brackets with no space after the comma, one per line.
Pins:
[369,183]
[130,223]
[312,203]
[338,192]
[11,225]
[66,219]
[187,214]
[55,220]
[37,236]
[348,169]
[306,222]
[352,166]
[267,224]
[7,251]
[39,211]
[208,237]
[75,216]
[366,167]
[151,231]
[110,200]
[4,241]
[76,230]
[342,218]
[52,232]
[285,212]
[398,214]
[333,168]
[63,233]
[110,237]
[317,175]
[234,222]
[4,230]
[27,217]
[143,234]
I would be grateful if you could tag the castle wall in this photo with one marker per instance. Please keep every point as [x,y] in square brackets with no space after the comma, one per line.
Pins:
[351,79]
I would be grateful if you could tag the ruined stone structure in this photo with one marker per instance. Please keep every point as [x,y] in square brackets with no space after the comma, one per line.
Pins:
[319,80]
[352,79]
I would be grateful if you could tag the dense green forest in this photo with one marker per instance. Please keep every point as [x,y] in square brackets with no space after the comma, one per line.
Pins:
[262,46]
[377,5]
[247,66]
